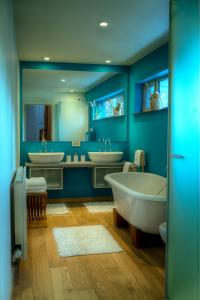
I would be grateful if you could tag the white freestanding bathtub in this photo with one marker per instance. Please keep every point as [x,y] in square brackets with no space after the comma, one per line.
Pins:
[140,198]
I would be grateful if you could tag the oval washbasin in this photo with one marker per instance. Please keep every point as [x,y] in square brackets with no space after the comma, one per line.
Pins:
[105,156]
[46,157]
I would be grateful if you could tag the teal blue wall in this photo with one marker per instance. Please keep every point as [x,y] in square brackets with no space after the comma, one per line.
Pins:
[148,131]
[113,128]
[8,139]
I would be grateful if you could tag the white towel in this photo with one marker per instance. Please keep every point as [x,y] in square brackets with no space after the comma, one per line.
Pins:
[138,158]
[126,167]
[36,190]
[43,187]
[36,182]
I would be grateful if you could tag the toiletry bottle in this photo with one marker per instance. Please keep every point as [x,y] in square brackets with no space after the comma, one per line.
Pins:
[82,158]
[75,157]
[68,158]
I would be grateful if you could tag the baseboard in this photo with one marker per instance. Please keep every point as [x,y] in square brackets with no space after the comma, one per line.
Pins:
[80,199]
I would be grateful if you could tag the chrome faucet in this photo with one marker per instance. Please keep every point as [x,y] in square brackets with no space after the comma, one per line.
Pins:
[107,143]
[101,141]
[44,143]
[45,146]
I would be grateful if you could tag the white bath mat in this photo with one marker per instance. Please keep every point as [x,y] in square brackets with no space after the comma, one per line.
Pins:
[97,207]
[57,209]
[84,240]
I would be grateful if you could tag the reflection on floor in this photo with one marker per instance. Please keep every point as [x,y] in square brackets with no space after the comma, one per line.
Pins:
[131,274]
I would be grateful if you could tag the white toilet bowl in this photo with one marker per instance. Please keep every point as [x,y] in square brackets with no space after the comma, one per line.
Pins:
[163,231]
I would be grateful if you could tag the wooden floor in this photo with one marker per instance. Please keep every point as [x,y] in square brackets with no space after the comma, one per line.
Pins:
[132,274]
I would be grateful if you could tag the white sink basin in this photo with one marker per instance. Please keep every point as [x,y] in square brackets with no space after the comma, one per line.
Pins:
[105,156]
[46,157]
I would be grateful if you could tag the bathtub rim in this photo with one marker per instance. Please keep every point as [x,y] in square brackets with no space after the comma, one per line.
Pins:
[130,192]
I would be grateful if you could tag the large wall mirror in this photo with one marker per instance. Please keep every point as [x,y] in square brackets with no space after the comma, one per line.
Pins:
[70,105]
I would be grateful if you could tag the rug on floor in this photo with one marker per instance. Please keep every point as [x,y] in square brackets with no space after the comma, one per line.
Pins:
[84,240]
[57,209]
[101,206]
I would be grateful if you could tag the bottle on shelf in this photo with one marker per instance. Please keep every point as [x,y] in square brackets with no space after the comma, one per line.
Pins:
[75,157]
[82,158]
[68,158]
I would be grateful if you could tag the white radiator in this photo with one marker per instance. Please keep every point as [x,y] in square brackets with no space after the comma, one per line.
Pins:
[20,211]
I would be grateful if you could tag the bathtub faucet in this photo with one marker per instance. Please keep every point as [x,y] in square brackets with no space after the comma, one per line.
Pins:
[107,145]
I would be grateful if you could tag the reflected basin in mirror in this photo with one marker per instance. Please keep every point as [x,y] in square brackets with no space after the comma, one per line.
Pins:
[105,156]
[46,157]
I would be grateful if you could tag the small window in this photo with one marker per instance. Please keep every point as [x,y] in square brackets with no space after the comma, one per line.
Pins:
[108,107]
[155,94]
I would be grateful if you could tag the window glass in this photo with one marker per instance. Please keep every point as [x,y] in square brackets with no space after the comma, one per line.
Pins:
[109,107]
[148,90]
[155,94]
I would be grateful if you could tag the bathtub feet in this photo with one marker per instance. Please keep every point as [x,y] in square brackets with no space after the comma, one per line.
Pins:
[119,221]
[142,239]
[139,238]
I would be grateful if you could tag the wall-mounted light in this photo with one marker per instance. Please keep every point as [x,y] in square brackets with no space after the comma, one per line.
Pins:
[63,80]
[46,58]
[108,61]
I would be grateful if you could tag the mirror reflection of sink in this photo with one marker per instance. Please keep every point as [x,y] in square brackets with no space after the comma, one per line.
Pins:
[46,157]
[105,156]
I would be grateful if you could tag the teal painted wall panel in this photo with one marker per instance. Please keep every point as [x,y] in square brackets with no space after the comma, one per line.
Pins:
[114,128]
[183,250]
[148,131]
[8,138]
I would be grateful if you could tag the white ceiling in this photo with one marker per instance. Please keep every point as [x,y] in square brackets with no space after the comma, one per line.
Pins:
[68,30]
[43,85]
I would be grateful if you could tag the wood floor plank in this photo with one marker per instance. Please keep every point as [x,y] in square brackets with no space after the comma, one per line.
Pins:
[23,294]
[81,295]
[103,287]
[41,279]
[136,274]
[61,280]
[77,265]
[144,277]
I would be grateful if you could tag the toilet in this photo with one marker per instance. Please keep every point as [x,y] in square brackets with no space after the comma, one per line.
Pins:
[163,231]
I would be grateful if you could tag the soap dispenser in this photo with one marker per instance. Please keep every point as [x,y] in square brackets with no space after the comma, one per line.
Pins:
[75,157]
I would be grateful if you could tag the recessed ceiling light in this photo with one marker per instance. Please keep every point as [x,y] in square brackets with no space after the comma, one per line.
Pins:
[71,91]
[108,61]
[46,58]
[103,24]
[63,80]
